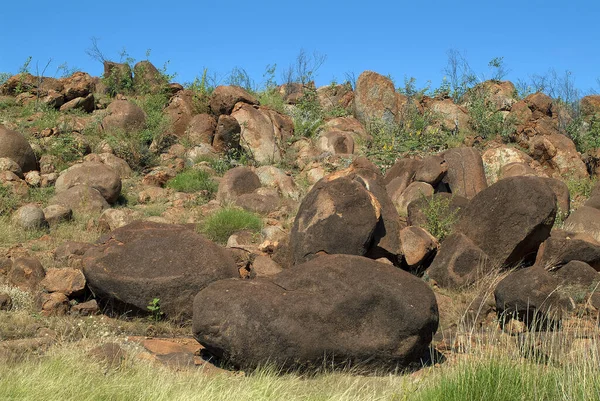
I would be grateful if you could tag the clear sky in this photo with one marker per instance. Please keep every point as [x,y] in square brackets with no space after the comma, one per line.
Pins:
[399,38]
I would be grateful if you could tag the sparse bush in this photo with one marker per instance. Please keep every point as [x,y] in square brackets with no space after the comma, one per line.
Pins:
[486,121]
[132,147]
[580,188]
[585,135]
[416,133]
[194,181]
[220,225]
[308,114]
[202,88]
[440,217]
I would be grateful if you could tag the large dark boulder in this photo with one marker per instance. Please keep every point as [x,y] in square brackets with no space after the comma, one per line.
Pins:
[560,249]
[142,261]
[338,216]
[531,295]
[510,219]
[334,308]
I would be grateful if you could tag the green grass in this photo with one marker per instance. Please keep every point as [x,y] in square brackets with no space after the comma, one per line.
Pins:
[220,225]
[191,181]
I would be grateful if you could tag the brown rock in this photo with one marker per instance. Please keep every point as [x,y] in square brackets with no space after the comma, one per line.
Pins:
[578,273]
[86,104]
[81,199]
[26,273]
[264,266]
[125,115]
[336,143]
[337,216]
[458,263]
[590,106]
[466,175]
[350,308]
[227,134]
[263,131]
[56,214]
[236,182]
[418,246]
[15,147]
[93,174]
[201,129]
[530,295]
[88,308]
[5,302]
[441,206]
[414,191]
[142,261]
[224,98]
[30,217]
[561,248]
[510,219]
[70,282]
[147,78]
[584,220]
[180,111]
[375,98]
[54,304]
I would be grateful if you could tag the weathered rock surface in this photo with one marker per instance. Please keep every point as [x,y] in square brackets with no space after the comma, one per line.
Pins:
[466,175]
[224,98]
[93,174]
[458,263]
[530,295]
[142,261]
[125,115]
[81,199]
[375,98]
[337,216]
[338,308]
[510,219]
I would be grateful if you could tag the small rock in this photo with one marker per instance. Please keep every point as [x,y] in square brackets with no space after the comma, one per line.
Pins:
[54,304]
[88,308]
[30,217]
[70,282]
[56,214]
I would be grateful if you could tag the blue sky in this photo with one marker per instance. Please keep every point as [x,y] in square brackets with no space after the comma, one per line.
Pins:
[391,37]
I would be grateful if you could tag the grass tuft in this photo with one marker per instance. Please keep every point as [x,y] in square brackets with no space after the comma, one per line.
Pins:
[192,180]
[220,225]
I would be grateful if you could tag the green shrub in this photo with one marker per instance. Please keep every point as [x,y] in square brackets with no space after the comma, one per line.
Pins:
[486,121]
[194,181]
[440,218]
[40,195]
[132,147]
[4,76]
[585,135]
[220,225]
[308,114]
[202,88]
[273,99]
[416,134]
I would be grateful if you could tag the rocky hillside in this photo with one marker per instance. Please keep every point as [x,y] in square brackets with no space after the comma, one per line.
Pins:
[346,222]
